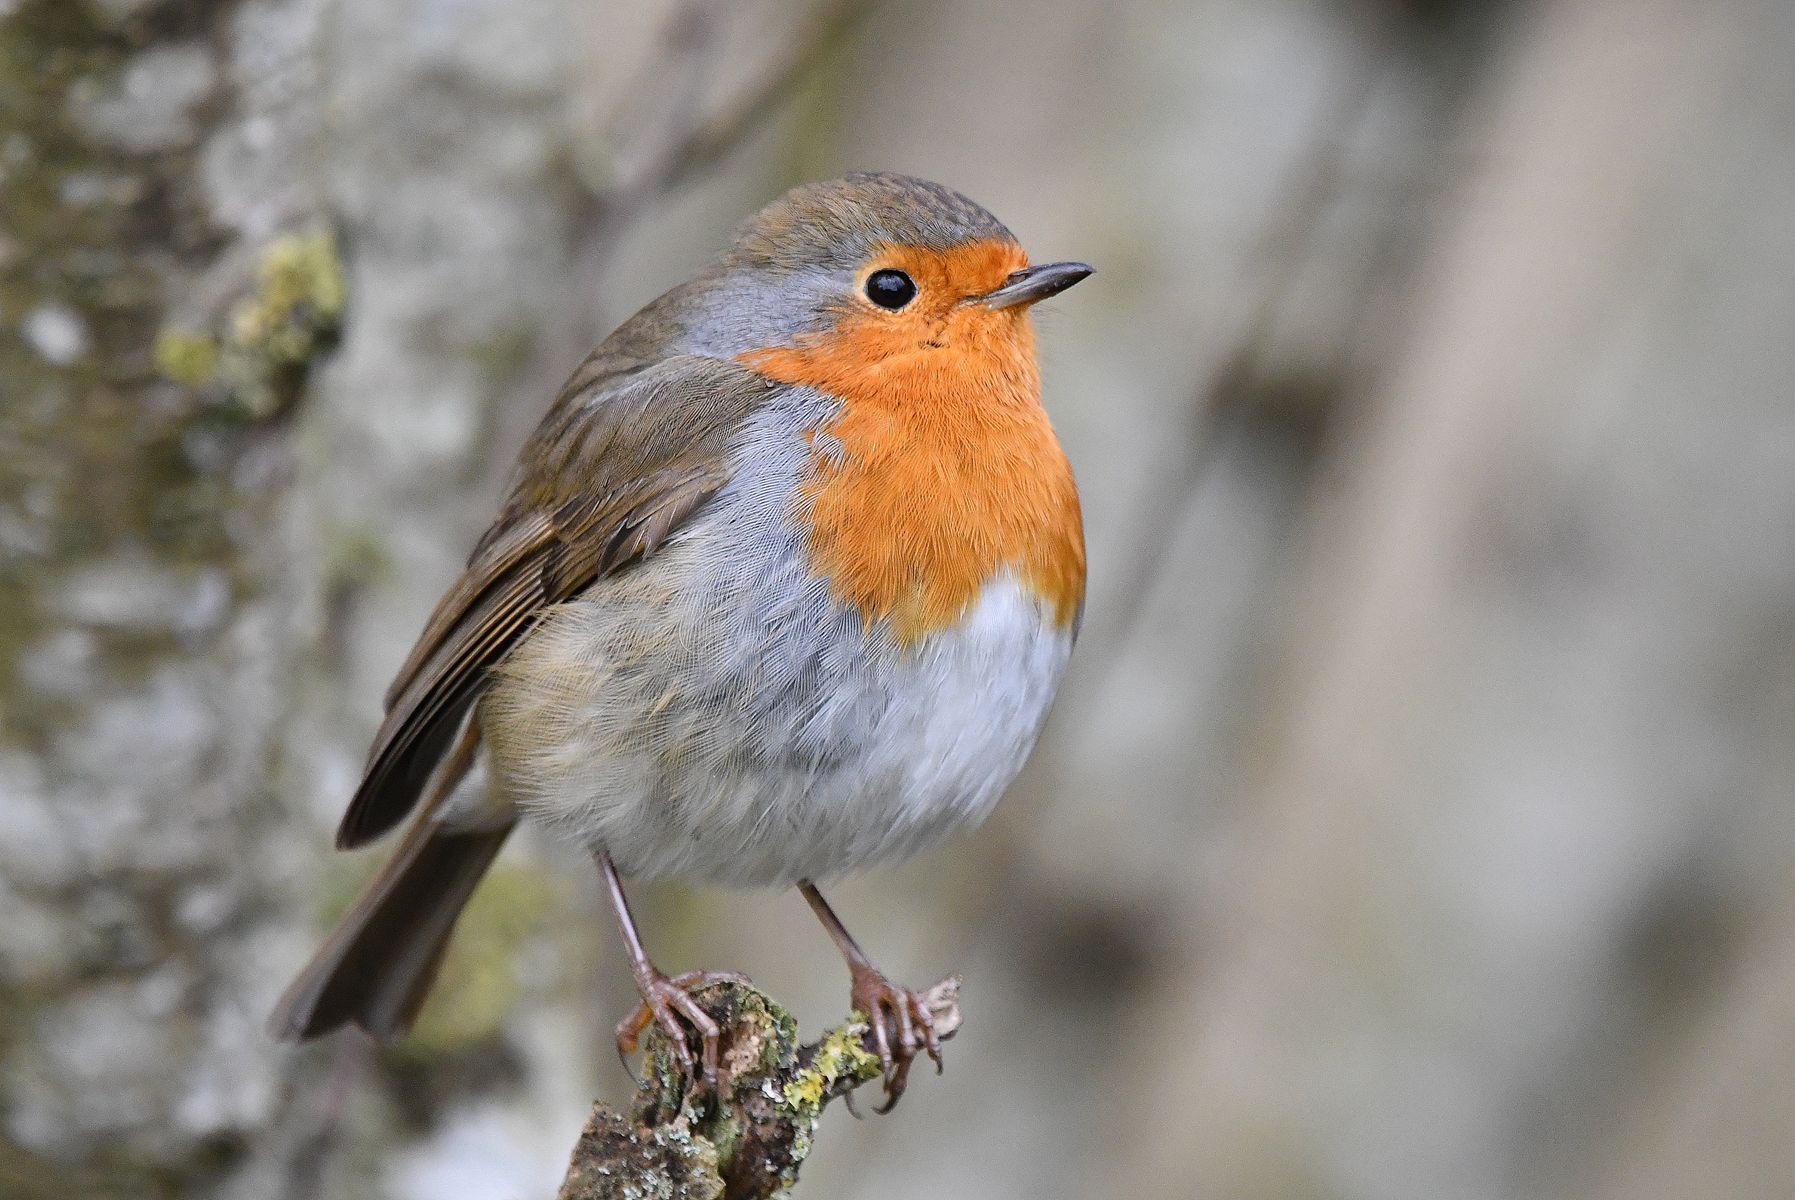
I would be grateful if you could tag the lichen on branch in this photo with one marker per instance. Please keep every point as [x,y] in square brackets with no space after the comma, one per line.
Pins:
[750,1139]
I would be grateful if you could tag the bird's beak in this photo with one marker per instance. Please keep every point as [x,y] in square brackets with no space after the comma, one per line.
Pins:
[1032,284]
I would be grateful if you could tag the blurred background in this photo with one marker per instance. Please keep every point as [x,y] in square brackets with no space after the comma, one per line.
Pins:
[1415,819]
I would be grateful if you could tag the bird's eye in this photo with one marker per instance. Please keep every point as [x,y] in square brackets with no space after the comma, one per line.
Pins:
[890,289]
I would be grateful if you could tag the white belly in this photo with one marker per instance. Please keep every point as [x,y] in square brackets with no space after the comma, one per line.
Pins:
[696,728]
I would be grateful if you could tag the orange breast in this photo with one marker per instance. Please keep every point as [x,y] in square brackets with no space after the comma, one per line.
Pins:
[948,471]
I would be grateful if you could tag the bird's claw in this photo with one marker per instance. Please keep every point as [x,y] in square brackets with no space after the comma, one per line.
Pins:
[895,1010]
[669,1004]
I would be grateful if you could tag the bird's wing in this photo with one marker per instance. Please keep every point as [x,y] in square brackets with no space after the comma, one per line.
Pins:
[623,457]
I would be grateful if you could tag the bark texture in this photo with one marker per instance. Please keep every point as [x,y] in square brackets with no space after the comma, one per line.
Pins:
[751,1137]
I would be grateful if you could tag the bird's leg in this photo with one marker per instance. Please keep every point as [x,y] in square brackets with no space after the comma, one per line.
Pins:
[901,1020]
[664,1000]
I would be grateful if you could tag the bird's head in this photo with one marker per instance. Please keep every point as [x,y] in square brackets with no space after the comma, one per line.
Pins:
[858,275]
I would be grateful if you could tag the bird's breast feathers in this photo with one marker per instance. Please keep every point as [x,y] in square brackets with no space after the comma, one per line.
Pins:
[937,472]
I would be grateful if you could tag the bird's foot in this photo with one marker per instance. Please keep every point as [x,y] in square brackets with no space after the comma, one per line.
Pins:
[902,1024]
[669,1004]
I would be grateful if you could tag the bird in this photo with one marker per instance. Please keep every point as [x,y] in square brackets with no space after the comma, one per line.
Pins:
[783,586]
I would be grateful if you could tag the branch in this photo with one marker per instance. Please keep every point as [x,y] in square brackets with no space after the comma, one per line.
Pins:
[750,1141]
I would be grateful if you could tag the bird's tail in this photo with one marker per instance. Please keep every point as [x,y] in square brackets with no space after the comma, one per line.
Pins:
[377,965]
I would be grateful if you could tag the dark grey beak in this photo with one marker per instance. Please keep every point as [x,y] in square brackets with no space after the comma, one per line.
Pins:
[1032,284]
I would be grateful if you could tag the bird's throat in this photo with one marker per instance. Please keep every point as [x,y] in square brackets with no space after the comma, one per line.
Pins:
[939,472]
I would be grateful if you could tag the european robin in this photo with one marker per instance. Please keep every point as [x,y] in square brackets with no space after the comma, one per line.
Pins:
[783,587]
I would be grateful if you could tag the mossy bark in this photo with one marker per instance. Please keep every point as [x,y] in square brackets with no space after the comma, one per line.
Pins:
[138,600]
[96,235]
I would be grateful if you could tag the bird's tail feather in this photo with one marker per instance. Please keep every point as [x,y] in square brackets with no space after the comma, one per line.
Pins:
[377,965]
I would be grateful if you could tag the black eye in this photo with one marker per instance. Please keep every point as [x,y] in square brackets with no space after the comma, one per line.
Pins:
[890,289]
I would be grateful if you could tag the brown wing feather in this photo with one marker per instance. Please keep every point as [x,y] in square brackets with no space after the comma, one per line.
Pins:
[508,545]
[621,460]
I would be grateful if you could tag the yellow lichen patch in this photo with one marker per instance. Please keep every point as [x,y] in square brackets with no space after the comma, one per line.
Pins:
[187,357]
[270,335]
[299,270]
[840,1055]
